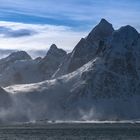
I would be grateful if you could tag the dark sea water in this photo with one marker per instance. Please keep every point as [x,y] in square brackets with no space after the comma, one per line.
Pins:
[71,132]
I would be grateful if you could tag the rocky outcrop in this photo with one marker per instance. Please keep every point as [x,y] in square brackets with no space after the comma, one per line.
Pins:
[50,63]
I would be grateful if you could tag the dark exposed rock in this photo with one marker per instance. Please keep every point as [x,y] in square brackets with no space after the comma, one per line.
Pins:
[50,63]
[101,32]
[87,49]
[82,53]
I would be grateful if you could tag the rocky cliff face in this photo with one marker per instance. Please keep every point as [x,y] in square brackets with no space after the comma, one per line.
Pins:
[116,72]
[100,33]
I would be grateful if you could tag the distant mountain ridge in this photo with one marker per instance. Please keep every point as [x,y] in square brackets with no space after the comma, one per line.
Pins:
[98,80]
[20,68]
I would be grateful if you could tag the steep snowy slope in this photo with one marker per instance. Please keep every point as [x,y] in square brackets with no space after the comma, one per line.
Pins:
[49,99]
[72,97]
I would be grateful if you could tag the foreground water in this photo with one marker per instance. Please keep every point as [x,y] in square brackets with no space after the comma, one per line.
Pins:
[63,131]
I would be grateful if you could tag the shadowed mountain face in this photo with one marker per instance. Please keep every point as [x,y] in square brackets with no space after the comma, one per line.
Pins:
[100,33]
[50,63]
[101,81]
[87,49]
[117,70]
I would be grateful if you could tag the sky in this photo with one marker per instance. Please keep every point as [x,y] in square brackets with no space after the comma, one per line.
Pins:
[36,24]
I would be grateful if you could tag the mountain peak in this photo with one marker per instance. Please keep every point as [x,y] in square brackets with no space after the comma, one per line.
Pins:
[101,32]
[54,50]
[19,55]
[53,46]
[104,21]
[126,35]
[128,28]
[50,63]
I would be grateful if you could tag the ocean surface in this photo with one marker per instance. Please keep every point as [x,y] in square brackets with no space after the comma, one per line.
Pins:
[71,131]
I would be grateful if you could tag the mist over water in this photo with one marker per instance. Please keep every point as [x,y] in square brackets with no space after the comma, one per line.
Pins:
[34,106]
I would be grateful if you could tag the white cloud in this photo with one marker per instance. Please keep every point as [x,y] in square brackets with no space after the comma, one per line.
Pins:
[62,36]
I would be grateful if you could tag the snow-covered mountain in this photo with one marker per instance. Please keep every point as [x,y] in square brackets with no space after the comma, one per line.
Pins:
[105,86]
[56,62]
[6,62]
[20,68]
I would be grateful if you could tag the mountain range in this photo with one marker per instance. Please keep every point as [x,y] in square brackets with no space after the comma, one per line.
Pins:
[98,80]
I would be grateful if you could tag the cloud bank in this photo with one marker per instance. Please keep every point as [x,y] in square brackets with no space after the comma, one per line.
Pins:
[9,32]
[21,36]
